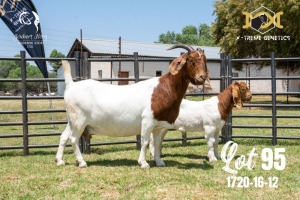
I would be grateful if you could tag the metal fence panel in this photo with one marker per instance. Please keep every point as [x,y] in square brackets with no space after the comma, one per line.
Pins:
[82,72]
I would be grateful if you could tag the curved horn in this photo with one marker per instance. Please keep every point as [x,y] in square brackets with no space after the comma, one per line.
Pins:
[188,48]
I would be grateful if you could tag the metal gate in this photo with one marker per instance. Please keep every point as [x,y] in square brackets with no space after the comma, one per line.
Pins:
[82,72]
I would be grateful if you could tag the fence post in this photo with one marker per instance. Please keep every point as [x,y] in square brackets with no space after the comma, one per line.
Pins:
[85,67]
[229,81]
[184,138]
[137,79]
[274,120]
[222,87]
[77,65]
[222,71]
[86,142]
[24,103]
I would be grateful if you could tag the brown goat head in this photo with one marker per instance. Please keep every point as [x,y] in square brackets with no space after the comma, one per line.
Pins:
[241,93]
[195,63]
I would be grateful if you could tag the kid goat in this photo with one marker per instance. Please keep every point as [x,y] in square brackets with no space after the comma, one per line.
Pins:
[209,116]
[98,108]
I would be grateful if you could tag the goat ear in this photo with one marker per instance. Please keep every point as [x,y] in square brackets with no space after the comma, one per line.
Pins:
[176,65]
[237,95]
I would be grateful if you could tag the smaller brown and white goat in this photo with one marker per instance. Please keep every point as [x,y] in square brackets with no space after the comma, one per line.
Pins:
[118,111]
[209,116]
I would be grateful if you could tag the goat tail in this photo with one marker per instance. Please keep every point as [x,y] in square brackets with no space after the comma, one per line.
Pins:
[67,72]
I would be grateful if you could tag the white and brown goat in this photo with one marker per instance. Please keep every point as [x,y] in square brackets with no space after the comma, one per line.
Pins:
[209,116]
[141,108]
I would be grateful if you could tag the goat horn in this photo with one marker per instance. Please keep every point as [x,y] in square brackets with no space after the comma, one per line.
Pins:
[188,48]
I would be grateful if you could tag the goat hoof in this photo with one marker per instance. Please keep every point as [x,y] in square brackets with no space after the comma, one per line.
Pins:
[160,164]
[145,166]
[82,164]
[213,159]
[60,162]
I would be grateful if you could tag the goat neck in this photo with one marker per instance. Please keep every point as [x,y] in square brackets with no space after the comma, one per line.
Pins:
[226,103]
[168,94]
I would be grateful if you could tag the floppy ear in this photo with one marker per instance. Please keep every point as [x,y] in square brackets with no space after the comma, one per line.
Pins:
[237,95]
[176,65]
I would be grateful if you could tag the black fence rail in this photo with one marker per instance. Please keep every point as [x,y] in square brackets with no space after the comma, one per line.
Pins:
[273,105]
[82,72]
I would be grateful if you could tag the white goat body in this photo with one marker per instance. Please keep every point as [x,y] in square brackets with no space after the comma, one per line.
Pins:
[209,116]
[109,109]
[193,116]
[98,108]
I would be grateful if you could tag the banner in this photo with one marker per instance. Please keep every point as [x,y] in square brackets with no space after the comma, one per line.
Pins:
[22,19]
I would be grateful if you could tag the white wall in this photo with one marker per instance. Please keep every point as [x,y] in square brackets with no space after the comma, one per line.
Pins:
[265,85]
[104,66]
[148,69]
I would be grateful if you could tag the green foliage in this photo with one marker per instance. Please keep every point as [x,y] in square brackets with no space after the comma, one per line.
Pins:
[56,64]
[168,38]
[229,22]
[11,69]
[32,72]
[7,65]
[190,35]
[189,30]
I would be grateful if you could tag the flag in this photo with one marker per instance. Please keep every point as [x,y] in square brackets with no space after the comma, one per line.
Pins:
[22,18]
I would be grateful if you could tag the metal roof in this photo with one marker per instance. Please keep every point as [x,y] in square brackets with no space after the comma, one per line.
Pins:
[111,47]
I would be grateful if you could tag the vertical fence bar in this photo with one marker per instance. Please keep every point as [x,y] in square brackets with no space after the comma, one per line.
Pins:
[24,103]
[77,65]
[184,138]
[136,67]
[229,81]
[137,79]
[86,66]
[274,112]
[222,71]
[86,75]
[222,87]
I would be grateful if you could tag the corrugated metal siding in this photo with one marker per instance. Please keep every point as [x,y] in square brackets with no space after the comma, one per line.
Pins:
[144,49]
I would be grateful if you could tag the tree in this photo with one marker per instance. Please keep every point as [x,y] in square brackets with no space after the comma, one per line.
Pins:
[32,72]
[168,38]
[205,36]
[228,28]
[7,65]
[189,30]
[11,69]
[190,35]
[56,64]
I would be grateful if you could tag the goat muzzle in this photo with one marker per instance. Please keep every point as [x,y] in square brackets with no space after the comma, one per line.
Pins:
[200,80]
[248,99]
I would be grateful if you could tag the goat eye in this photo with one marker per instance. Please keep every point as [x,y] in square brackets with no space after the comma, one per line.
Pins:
[193,63]
[243,90]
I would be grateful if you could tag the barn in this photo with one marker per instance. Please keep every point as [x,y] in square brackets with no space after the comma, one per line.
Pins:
[101,48]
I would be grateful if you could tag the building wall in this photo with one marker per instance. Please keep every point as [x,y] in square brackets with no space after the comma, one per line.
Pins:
[148,70]
[100,68]
[262,86]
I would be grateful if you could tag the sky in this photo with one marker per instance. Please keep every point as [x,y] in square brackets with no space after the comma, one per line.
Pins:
[133,20]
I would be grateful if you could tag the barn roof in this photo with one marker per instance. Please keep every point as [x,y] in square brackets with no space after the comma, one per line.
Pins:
[100,47]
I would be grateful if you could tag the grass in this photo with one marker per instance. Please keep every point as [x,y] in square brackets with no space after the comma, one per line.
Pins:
[113,172]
